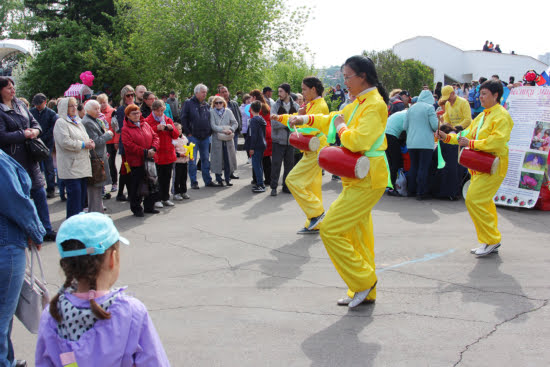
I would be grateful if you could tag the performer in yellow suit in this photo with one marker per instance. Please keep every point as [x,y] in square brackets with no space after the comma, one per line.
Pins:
[305,179]
[347,229]
[489,132]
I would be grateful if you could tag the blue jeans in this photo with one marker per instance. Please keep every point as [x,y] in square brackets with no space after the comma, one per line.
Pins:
[76,195]
[41,204]
[236,141]
[417,178]
[49,172]
[203,147]
[12,272]
[257,158]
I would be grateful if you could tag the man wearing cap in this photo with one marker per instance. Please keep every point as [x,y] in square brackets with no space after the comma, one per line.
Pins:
[46,118]
[400,103]
[457,109]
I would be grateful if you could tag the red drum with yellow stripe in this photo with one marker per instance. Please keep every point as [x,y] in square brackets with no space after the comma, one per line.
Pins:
[308,143]
[341,162]
[478,161]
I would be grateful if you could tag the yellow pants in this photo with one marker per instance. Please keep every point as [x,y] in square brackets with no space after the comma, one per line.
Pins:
[482,209]
[348,234]
[304,182]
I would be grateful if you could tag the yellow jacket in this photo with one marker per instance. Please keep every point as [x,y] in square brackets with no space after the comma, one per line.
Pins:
[493,137]
[316,107]
[459,113]
[367,125]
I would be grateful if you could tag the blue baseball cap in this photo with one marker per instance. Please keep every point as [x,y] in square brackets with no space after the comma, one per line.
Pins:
[95,230]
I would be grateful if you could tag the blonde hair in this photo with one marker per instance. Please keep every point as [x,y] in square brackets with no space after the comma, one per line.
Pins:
[218,98]
[102,98]
[394,92]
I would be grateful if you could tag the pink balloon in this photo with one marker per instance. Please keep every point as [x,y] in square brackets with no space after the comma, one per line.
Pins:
[87,78]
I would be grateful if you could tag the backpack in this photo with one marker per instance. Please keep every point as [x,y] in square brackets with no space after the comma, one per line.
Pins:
[471,96]
[477,102]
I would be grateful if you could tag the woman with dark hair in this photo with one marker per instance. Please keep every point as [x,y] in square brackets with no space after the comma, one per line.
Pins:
[347,230]
[305,179]
[489,132]
[17,125]
[265,112]
[437,90]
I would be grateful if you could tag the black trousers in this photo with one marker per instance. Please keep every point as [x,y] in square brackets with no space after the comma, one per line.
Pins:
[137,175]
[112,162]
[282,154]
[180,180]
[226,165]
[395,159]
[164,173]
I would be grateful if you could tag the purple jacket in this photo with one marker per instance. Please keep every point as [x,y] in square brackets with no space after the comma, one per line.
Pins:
[127,339]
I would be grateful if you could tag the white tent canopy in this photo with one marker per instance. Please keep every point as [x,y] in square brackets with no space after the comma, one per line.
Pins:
[9,46]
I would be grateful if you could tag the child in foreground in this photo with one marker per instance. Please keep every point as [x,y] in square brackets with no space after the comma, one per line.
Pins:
[87,322]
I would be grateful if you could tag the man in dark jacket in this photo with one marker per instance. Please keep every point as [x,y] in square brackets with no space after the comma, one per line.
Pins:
[234,107]
[148,99]
[400,103]
[174,105]
[46,118]
[195,120]
[282,151]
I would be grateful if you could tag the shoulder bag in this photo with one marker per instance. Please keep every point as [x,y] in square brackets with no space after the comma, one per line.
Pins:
[34,295]
[98,169]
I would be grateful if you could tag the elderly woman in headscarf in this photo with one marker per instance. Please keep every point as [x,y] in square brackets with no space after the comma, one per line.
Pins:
[17,126]
[223,155]
[100,134]
[73,146]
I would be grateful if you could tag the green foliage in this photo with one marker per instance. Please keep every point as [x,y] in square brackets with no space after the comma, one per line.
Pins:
[395,73]
[332,105]
[286,67]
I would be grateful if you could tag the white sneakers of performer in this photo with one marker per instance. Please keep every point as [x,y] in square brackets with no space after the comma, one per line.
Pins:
[485,249]
[473,251]
[359,297]
[346,301]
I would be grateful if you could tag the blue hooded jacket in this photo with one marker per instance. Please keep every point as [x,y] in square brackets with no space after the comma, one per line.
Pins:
[421,122]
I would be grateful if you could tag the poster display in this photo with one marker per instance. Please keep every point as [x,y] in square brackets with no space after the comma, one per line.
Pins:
[529,144]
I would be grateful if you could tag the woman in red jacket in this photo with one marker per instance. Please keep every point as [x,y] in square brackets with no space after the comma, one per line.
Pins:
[166,153]
[138,139]
[265,112]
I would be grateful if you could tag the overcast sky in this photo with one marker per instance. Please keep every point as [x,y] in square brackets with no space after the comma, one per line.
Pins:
[343,28]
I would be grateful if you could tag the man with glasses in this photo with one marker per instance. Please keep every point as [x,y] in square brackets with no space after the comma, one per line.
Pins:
[148,99]
[195,120]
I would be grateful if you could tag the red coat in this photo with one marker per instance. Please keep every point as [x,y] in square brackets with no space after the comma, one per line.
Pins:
[108,112]
[268,140]
[136,140]
[166,153]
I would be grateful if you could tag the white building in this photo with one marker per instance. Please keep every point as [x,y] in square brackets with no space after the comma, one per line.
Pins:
[451,64]
[545,58]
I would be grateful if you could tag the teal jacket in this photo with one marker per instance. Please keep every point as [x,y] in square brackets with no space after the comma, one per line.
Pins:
[395,122]
[421,122]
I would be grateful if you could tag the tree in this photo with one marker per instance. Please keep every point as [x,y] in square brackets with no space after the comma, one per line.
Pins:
[394,73]
[285,67]
[182,43]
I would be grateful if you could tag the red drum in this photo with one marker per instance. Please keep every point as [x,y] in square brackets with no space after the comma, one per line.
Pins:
[341,162]
[308,143]
[478,161]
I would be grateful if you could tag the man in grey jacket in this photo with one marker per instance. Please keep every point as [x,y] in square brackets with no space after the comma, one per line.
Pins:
[283,152]
[234,107]
[174,105]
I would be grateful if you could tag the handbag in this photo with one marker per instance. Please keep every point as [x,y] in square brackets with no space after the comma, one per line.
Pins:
[225,137]
[34,295]
[37,149]
[151,177]
[98,169]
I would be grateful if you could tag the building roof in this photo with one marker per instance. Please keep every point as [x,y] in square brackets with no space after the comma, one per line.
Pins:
[9,46]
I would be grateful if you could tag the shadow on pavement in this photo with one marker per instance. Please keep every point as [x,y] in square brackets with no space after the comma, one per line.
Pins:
[339,344]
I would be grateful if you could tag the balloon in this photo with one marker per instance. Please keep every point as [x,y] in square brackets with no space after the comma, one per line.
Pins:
[247,110]
[87,78]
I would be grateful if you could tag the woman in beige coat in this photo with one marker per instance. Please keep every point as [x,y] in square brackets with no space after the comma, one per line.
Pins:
[72,145]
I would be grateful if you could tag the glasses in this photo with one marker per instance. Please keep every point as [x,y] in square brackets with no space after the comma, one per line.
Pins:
[72,105]
[218,102]
[130,95]
[347,78]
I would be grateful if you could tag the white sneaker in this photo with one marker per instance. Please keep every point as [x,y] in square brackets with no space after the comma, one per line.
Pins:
[178,197]
[473,251]
[484,249]
[346,301]
[159,205]
[185,196]
[168,203]
[359,297]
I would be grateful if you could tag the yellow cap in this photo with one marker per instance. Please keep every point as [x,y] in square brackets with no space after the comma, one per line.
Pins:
[446,93]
